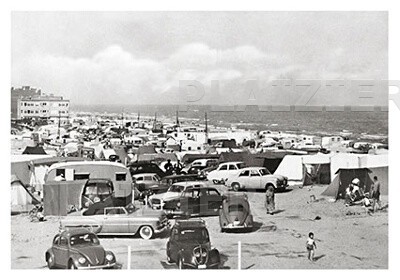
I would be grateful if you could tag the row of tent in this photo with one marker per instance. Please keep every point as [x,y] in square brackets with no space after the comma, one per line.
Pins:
[337,170]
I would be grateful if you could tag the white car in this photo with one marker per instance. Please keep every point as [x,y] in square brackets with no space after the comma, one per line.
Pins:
[224,170]
[256,178]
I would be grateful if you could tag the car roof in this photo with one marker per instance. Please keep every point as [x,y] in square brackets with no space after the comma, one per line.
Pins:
[197,223]
[252,168]
[190,183]
[94,180]
[75,231]
[144,174]
[232,162]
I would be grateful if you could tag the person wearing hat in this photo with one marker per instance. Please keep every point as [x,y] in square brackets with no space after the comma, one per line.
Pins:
[356,192]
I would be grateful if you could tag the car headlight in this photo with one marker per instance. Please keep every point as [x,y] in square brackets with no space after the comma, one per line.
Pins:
[178,204]
[204,254]
[197,254]
[96,199]
[82,260]
[109,257]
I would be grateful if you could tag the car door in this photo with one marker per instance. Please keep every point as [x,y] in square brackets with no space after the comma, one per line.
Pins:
[210,201]
[115,221]
[61,251]
[254,179]
[232,169]
[222,171]
[244,178]
[190,201]
[173,245]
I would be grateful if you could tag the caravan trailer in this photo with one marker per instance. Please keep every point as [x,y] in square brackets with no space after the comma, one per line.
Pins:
[83,170]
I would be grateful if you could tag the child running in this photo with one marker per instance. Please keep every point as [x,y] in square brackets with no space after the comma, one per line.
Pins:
[311,246]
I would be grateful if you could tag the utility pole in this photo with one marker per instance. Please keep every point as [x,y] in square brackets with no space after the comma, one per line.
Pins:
[177,119]
[59,124]
[206,132]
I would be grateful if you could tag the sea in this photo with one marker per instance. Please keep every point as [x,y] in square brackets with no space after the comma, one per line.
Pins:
[364,125]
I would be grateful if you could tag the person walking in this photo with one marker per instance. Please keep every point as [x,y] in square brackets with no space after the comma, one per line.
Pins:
[270,200]
[376,194]
[311,246]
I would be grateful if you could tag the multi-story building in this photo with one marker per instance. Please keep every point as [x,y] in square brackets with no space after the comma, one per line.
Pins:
[54,109]
[17,93]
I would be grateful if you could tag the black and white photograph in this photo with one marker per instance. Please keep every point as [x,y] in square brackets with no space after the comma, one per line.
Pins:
[235,140]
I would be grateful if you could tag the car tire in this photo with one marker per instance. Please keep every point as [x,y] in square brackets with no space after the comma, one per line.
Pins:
[146,232]
[71,265]
[50,261]
[236,187]
[215,182]
[180,263]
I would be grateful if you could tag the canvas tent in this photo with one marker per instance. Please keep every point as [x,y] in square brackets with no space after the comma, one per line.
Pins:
[21,198]
[344,177]
[291,167]
[37,150]
[316,169]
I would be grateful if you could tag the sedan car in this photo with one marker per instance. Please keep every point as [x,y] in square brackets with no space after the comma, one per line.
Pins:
[223,171]
[256,178]
[78,249]
[118,221]
[188,199]
[235,213]
[189,246]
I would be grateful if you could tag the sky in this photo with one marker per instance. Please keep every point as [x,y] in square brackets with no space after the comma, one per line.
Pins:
[141,57]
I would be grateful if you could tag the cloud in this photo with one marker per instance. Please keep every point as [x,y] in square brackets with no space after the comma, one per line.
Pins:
[117,76]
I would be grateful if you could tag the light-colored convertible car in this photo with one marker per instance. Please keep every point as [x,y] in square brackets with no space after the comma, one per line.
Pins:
[118,221]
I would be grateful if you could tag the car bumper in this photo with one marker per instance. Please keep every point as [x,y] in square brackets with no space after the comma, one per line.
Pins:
[162,227]
[233,226]
[90,267]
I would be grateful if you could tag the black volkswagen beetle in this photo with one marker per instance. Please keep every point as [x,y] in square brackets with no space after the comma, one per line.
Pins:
[189,246]
[235,213]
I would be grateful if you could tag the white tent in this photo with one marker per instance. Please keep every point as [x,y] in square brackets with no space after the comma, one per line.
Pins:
[291,167]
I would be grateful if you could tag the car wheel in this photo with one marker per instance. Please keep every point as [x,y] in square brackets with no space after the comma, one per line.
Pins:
[71,265]
[215,182]
[146,232]
[236,187]
[50,262]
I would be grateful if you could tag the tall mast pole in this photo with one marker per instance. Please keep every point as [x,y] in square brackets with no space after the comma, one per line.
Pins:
[206,132]
[59,124]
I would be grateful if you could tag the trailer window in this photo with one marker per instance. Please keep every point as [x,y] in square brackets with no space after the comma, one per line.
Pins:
[81,176]
[120,176]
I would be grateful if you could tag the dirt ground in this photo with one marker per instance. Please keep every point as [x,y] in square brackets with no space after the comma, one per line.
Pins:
[347,237]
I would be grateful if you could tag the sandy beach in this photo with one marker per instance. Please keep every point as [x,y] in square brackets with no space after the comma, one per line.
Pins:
[347,237]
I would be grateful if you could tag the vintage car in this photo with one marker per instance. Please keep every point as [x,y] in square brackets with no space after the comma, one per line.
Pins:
[119,221]
[235,213]
[78,249]
[188,199]
[139,167]
[199,164]
[223,171]
[144,181]
[189,246]
[256,178]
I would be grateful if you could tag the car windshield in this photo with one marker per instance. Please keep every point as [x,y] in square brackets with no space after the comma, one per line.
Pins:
[176,188]
[264,171]
[236,208]
[194,234]
[84,239]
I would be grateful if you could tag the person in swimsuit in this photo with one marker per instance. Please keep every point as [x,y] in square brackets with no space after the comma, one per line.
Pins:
[311,246]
